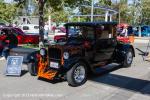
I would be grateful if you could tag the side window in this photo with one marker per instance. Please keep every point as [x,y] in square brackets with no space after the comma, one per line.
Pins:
[36,27]
[90,33]
[103,32]
[106,32]
[25,28]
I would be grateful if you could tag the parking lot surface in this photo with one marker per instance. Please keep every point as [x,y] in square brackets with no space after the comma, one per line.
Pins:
[122,84]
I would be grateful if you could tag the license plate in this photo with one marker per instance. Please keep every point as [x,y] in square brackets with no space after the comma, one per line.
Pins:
[54,65]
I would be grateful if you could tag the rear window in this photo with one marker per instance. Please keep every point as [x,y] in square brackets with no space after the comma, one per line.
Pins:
[36,27]
[25,28]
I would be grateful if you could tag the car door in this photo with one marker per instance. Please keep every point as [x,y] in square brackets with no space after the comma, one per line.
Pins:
[105,44]
[20,35]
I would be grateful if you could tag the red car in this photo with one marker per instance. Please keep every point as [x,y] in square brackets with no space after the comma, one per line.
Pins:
[19,37]
[22,38]
[123,39]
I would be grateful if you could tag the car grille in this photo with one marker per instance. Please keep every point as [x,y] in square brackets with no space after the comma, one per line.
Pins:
[54,53]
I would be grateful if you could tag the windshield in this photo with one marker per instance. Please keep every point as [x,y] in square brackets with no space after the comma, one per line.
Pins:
[78,34]
[81,31]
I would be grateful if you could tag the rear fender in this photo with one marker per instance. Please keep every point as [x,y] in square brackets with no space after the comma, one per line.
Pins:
[126,47]
[122,49]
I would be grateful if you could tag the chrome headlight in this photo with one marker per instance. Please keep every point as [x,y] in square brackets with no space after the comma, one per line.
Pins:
[66,55]
[43,52]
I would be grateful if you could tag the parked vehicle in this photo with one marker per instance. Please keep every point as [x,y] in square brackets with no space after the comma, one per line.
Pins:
[29,28]
[145,31]
[21,36]
[89,47]
[58,34]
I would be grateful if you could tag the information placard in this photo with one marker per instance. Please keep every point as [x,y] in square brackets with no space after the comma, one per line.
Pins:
[13,66]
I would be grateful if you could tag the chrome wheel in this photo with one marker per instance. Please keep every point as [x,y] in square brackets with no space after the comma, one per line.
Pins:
[79,74]
[129,58]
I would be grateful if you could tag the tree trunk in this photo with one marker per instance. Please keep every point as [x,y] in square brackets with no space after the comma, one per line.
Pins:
[41,22]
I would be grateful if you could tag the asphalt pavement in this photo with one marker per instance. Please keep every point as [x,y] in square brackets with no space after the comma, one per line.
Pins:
[131,83]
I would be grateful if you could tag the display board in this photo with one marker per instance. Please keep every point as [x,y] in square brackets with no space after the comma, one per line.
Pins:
[13,66]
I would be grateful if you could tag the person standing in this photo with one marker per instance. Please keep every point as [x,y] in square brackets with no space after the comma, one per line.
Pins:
[125,31]
[9,42]
[46,30]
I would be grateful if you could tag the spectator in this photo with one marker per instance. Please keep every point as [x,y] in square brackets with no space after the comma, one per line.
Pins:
[46,30]
[10,42]
[119,30]
[125,31]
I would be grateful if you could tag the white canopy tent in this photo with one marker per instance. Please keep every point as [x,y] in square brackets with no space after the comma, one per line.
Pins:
[108,12]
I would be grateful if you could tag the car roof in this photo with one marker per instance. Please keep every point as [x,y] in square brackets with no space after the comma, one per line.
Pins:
[12,28]
[90,23]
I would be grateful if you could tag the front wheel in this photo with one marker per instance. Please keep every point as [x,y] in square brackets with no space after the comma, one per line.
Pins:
[77,75]
[128,58]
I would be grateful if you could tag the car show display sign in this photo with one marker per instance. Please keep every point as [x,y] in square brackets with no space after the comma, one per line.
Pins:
[13,66]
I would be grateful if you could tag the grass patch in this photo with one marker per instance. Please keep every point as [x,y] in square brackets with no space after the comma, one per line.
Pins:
[35,46]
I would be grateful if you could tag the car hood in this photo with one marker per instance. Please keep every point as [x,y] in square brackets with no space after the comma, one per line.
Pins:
[72,49]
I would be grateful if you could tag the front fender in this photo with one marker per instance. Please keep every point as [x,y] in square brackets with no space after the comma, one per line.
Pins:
[71,61]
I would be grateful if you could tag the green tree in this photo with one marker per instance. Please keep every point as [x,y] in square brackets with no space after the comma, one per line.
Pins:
[145,12]
[7,11]
[122,8]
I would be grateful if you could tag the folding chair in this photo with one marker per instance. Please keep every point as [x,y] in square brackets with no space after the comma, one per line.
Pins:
[146,53]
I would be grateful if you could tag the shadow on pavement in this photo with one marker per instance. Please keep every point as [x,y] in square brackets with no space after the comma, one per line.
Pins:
[51,81]
[23,72]
[124,82]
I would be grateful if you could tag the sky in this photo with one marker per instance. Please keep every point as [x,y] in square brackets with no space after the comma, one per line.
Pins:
[130,1]
[8,1]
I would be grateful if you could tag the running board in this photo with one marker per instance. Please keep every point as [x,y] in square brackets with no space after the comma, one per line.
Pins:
[108,67]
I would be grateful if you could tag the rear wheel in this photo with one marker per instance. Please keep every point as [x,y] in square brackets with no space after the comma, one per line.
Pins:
[77,75]
[128,58]
[32,68]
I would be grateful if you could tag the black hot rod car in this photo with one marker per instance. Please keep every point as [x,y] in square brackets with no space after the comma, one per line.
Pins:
[86,47]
